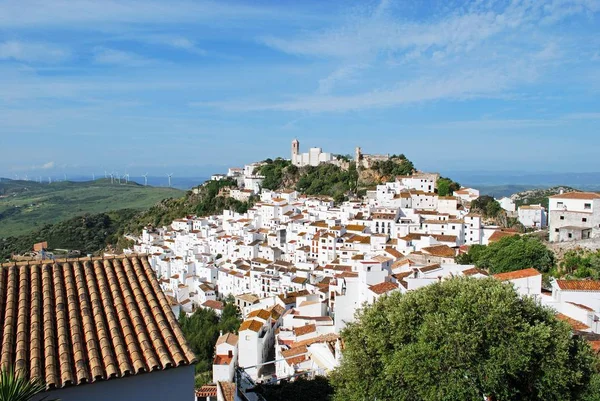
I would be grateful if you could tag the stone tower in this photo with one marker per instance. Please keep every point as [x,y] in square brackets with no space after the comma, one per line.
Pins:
[295,149]
[357,154]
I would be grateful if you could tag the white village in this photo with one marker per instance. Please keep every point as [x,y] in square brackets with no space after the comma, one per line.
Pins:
[299,267]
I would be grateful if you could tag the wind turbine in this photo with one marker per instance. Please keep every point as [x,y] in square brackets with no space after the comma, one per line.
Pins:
[145,179]
[105,176]
[118,177]
[26,179]
[93,177]
[112,178]
[65,177]
[49,180]
[170,175]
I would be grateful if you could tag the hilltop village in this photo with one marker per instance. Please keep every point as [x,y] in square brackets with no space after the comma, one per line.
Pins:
[299,267]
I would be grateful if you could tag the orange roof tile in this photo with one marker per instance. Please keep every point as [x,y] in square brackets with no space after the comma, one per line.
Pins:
[473,271]
[228,338]
[517,274]
[306,329]
[79,321]
[443,251]
[577,195]
[253,325]
[579,285]
[575,324]
[383,287]
[260,313]
[498,235]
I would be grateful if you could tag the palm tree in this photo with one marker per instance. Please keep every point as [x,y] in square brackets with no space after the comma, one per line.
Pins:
[14,387]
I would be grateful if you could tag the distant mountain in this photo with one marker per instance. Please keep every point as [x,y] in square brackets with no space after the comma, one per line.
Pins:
[27,205]
[494,181]
[538,196]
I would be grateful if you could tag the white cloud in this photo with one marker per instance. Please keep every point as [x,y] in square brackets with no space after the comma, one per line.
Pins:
[341,74]
[103,55]
[47,166]
[177,42]
[92,14]
[32,52]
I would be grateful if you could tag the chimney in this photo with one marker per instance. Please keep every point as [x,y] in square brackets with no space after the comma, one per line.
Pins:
[220,333]
[230,353]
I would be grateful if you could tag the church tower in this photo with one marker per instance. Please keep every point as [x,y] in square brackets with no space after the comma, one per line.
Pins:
[357,155]
[295,150]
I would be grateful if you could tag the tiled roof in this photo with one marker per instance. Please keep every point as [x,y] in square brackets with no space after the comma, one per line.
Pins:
[228,390]
[498,235]
[253,325]
[577,195]
[72,322]
[443,251]
[228,338]
[575,324]
[383,287]
[579,285]
[517,274]
[209,390]
[260,313]
[473,271]
[306,329]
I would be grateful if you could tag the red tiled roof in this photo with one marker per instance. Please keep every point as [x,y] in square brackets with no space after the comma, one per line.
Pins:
[209,390]
[306,329]
[517,274]
[575,324]
[222,360]
[74,321]
[498,235]
[473,271]
[213,304]
[579,285]
[577,195]
[253,325]
[443,251]
[383,287]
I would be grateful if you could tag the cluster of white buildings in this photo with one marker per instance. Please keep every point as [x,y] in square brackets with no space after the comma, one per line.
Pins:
[299,267]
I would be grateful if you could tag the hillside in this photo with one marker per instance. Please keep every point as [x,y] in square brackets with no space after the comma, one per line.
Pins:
[27,205]
[538,196]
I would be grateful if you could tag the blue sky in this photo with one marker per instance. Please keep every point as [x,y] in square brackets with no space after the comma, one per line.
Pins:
[186,86]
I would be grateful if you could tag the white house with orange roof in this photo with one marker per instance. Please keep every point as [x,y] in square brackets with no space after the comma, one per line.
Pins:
[574,216]
[225,360]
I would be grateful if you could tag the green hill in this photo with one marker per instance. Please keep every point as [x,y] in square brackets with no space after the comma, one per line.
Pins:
[26,206]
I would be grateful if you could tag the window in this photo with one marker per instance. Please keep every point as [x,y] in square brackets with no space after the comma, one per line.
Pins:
[368,268]
[453,227]
[570,235]
[587,206]
[562,217]
[584,219]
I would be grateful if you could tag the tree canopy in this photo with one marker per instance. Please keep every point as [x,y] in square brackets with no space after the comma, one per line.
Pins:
[486,205]
[509,254]
[201,330]
[462,339]
[581,263]
[447,186]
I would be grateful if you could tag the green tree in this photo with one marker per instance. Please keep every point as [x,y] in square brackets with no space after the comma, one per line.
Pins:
[510,254]
[461,339]
[14,387]
[447,186]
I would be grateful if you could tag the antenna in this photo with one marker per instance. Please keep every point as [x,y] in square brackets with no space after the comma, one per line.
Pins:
[170,175]
[145,179]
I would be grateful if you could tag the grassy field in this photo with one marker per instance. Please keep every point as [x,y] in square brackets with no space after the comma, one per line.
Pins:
[27,205]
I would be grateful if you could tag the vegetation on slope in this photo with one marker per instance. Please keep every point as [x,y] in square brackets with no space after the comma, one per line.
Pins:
[538,196]
[580,264]
[318,389]
[201,330]
[26,205]
[446,186]
[88,233]
[462,339]
[396,165]
[328,179]
[509,254]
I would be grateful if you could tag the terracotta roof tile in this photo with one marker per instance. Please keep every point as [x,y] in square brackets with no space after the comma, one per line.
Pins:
[473,271]
[306,329]
[517,274]
[577,195]
[498,235]
[579,285]
[575,324]
[212,304]
[78,321]
[253,325]
[383,287]
[443,251]
[228,390]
